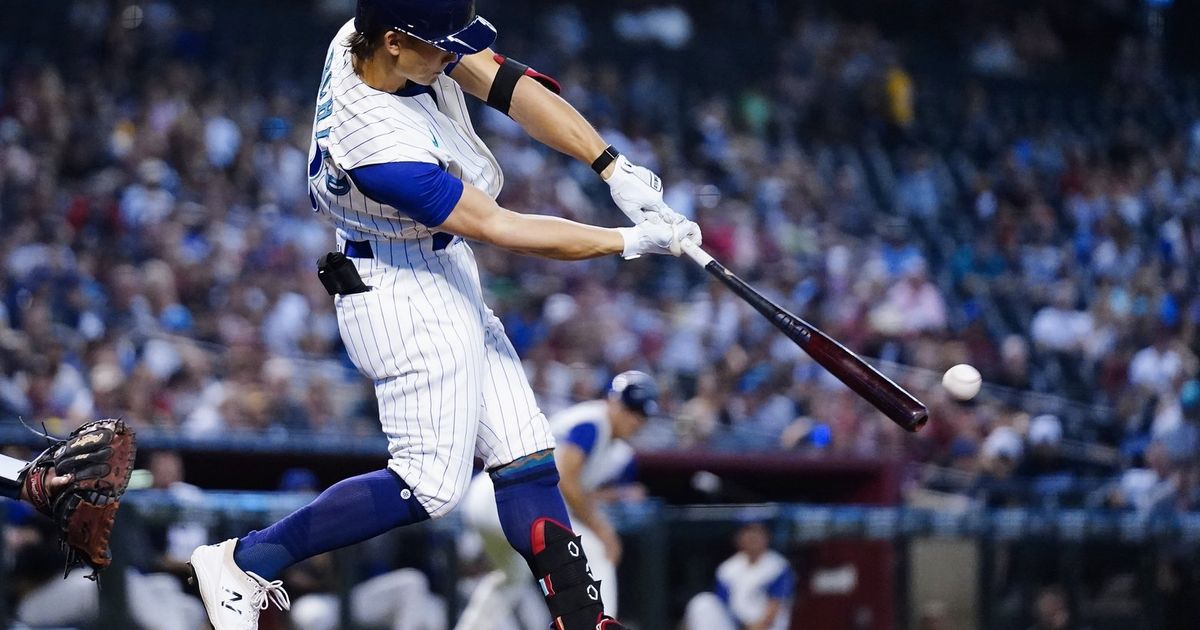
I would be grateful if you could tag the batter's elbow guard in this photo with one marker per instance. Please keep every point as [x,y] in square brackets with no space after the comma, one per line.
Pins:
[511,71]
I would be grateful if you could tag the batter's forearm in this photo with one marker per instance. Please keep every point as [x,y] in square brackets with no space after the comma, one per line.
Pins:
[554,122]
[477,217]
[559,239]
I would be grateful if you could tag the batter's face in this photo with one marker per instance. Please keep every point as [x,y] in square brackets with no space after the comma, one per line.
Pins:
[416,60]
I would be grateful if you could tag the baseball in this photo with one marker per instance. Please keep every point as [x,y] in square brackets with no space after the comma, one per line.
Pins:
[962,381]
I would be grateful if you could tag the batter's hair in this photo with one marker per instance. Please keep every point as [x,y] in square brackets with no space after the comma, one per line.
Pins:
[363,45]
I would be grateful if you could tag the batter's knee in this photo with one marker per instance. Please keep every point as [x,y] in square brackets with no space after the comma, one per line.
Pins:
[521,466]
[438,494]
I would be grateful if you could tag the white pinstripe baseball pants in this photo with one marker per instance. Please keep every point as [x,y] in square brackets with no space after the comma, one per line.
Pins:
[449,384]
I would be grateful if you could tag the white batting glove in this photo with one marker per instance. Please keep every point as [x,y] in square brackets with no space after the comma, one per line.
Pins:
[653,236]
[639,193]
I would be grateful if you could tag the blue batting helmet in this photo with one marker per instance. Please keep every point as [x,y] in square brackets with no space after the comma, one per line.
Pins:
[450,25]
[637,391]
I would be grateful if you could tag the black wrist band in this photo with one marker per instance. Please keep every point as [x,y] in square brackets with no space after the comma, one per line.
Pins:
[608,157]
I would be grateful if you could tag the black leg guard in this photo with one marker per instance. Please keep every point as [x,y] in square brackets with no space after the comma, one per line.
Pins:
[561,566]
[10,476]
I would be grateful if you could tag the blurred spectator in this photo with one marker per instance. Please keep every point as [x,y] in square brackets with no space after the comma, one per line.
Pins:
[1147,488]
[44,599]
[913,303]
[1000,457]
[1045,440]
[397,600]
[1059,327]
[994,54]
[916,191]
[1156,366]
[1014,363]
[753,591]
[174,543]
[1052,611]
[934,615]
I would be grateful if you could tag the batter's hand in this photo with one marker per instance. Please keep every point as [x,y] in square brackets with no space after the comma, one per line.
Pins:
[639,193]
[654,236]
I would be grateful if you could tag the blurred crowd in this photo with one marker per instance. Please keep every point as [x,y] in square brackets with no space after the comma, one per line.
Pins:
[158,256]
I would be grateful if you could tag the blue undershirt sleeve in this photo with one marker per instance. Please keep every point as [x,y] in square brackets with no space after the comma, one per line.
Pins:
[721,590]
[421,190]
[584,436]
[783,586]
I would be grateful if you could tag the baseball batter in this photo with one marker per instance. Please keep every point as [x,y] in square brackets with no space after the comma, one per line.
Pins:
[398,168]
[592,452]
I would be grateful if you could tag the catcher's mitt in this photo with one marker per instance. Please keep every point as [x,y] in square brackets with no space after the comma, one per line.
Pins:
[99,458]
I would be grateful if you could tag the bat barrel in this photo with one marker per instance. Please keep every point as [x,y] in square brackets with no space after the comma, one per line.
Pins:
[885,395]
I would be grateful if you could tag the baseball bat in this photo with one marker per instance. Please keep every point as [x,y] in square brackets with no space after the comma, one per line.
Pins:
[888,397]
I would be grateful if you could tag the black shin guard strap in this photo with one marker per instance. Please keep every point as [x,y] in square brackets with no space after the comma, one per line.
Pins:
[557,556]
[572,574]
[574,599]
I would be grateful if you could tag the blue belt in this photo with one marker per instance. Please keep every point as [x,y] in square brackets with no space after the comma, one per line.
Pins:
[362,249]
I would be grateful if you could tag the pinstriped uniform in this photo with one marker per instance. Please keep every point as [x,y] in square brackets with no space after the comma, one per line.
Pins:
[448,382]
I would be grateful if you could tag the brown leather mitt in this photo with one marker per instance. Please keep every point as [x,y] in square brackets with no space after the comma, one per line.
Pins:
[99,458]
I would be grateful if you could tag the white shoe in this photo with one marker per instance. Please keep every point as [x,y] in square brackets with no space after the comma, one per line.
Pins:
[232,597]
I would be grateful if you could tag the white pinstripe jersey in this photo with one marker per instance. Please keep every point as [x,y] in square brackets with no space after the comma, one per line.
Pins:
[449,384]
[356,125]
[608,457]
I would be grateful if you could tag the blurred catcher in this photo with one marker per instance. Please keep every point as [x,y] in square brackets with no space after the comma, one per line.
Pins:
[78,483]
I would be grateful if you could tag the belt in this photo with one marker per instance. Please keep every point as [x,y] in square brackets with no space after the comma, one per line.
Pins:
[362,249]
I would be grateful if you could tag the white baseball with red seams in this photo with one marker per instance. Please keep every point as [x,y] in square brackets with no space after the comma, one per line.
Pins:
[962,381]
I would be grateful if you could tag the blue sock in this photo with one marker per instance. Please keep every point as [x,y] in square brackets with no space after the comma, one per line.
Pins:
[349,512]
[526,491]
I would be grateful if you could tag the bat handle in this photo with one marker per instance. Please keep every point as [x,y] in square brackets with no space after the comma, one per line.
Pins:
[693,251]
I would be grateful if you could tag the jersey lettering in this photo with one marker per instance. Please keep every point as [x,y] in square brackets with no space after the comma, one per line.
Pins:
[325,110]
[357,126]
[337,185]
